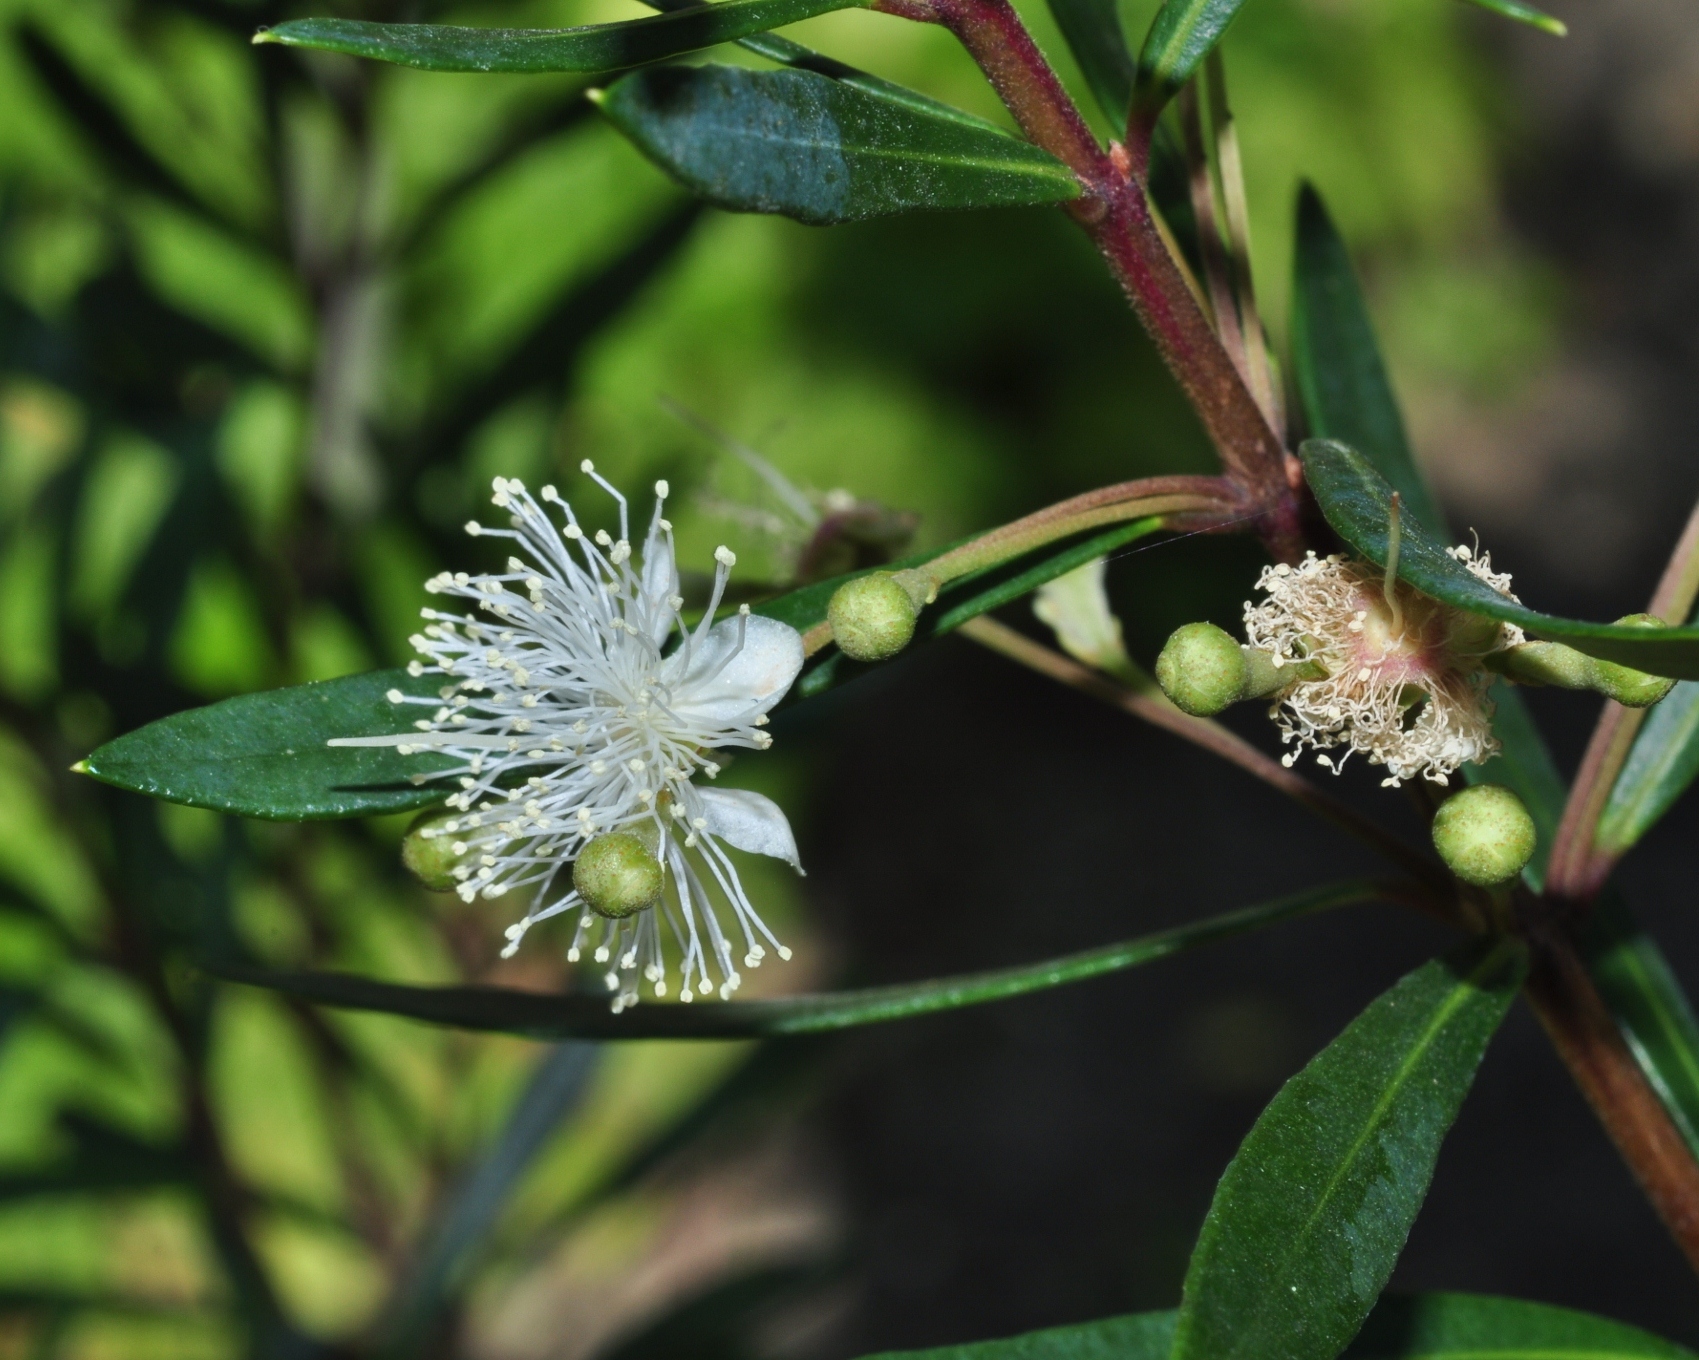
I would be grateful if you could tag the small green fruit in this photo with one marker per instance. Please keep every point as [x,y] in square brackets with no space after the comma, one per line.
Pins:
[617,876]
[1484,835]
[872,617]
[1202,669]
[427,851]
[1629,687]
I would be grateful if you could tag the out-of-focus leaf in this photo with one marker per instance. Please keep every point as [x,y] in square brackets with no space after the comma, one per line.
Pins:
[589,1017]
[1661,764]
[1356,499]
[1092,29]
[821,150]
[264,755]
[1481,1327]
[555,1090]
[1179,38]
[591,48]
[1650,1007]
[102,1159]
[1337,365]
[1422,1327]
[1312,1213]
[1526,14]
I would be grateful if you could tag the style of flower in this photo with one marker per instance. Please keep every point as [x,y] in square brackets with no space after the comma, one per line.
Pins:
[568,718]
[1403,682]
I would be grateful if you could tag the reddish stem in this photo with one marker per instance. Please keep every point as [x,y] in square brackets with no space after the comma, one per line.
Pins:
[1114,212]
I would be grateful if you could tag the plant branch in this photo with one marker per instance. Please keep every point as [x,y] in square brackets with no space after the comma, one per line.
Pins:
[1578,867]
[1215,738]
[1586,1037]
[1114,211]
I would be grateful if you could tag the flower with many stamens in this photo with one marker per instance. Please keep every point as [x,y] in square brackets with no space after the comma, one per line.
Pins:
[1403,683]
[569,720]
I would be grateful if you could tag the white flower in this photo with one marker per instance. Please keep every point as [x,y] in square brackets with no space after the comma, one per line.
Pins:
[1403,685]
[571,719]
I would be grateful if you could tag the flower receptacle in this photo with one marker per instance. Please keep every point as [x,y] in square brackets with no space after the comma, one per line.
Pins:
[618,876]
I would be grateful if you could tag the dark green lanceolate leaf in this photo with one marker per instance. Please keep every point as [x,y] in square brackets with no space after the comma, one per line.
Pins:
[822,150]
[589,1017]
[1423,1327]
[1137,1336]
[1179,39]
[1356,499]
[1311,1214]
[1649,1006]
[1093,32]
[592,48]
[1337,364]
[1480,1327]
[264,755]
[1661,764]
[1526,14]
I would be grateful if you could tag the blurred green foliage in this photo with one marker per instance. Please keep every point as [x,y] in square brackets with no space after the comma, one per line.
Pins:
[269,324]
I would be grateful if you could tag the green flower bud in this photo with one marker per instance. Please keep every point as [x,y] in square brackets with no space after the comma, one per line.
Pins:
[872,617]
[617,876]
[1629,687]
[1202,669]
[1484,835]
[428,850]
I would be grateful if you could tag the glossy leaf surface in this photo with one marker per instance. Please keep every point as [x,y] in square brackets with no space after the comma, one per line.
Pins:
[588,49]
[542,1016]
[1422,1327]
[821,150]
[1178,40]
[1312,1213]
[1661,765]
[1650,1008]
[264,755]
[1526,14]
[1356,499]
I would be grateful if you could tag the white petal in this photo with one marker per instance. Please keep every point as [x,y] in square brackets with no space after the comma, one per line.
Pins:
[726,685]
[750,822]
[1076,607]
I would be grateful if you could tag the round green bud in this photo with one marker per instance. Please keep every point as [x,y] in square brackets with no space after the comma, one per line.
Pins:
[1629,687]
[872,617]
[427,850]
[617,876]
[1202,669]
[1484,835]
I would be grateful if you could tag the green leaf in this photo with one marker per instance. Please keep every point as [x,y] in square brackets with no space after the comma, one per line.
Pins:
[591,48]
[1136,1336]
[1480,1327]
[1356,500]
[1661,764]
[1093,32]
[823,150]
[1649,1006]
[1341,380]
[1179,39]
[1311,1214]
[540,1016]
[264,755]
[1526,14]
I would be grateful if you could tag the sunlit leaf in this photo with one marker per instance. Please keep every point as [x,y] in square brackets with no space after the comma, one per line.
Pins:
[821,150]
[1312,1213]
[1356,500]
[1526,14]
[591,48]
[264,755]
[540,1016]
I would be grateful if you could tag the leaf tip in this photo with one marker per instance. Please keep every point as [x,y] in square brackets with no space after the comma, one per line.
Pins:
[596,96]
[81,767]
[262,34]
